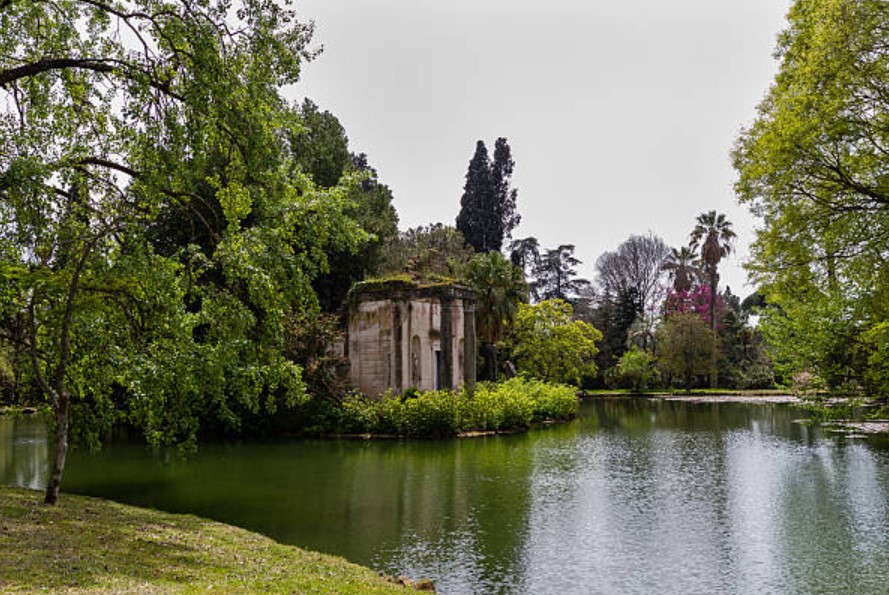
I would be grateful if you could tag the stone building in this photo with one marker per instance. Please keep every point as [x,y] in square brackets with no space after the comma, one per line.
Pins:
[405,335]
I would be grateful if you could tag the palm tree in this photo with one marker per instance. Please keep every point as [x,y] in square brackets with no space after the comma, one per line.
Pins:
[713,235]
[683,267]
[499,288]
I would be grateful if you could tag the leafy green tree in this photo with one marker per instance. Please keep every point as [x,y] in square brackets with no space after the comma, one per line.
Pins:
[111,114]
[615,315]
[714,236]
[812,166]
[635,370]
[499,289]
[369,204]
[320,146]
[547,343]
[488,205]
[687,347]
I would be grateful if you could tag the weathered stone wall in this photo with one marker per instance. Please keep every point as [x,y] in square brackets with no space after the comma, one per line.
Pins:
[412,340]
[371,346]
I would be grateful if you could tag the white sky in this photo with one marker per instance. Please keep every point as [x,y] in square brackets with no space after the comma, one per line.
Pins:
[620,113]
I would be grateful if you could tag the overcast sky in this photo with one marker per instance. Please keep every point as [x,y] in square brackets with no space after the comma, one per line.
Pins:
[620,113]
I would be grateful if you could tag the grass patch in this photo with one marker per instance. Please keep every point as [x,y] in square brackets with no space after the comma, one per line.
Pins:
[87,545]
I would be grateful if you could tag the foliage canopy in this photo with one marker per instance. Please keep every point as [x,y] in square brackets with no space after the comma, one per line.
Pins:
[813,167]
[121,119]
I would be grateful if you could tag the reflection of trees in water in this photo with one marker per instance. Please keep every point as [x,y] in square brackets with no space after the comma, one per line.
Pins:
[637,416]
[24,451]
[460,507]
[645,495]
[841,541]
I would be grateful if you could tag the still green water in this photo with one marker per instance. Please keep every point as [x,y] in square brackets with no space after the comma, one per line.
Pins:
[636,496]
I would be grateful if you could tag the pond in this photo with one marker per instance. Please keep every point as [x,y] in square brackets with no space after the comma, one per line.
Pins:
[635,496]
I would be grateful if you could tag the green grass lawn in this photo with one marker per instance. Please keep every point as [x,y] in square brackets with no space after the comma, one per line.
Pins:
[90,545]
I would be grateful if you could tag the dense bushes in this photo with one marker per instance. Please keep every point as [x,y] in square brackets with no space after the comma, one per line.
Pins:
[509,405]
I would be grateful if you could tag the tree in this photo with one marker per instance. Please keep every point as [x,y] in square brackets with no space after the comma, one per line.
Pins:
[546,343]
[687,347]
[488,205]
[631,287]
[115,112]
[682,267]
[555,276]
[320,146]
[525,254]
[812,166]
[713,235]
[638,263]
[499,289]
[635,370]
[369,204]
[504,194]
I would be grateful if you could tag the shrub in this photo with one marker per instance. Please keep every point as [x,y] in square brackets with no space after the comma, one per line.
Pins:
[357,415]
[510,405]
[552,401]
[635,370]
[434,414]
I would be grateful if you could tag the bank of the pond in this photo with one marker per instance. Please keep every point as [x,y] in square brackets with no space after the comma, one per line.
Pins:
[724,394]
[91,545]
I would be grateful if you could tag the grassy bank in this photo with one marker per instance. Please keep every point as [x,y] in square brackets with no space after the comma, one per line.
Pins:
[89,545]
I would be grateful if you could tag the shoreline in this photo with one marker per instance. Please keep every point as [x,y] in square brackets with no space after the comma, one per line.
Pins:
[88,545]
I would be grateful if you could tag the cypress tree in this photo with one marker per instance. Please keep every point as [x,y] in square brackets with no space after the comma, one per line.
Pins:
[488,206]
[505,196]
[477,206]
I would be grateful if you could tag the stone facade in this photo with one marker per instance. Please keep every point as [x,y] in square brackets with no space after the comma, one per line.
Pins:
[403,335]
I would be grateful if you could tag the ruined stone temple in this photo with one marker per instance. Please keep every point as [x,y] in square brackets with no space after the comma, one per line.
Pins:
[405,335]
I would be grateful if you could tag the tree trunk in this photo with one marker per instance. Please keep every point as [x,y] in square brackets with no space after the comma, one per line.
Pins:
[714,374]
[489,352]
[55,478]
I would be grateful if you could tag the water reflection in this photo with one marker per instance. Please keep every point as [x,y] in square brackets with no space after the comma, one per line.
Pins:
[636,496]
[24,451]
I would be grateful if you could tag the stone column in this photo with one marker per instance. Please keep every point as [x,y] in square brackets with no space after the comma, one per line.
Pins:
[397,343]
[469,357]
[447,342]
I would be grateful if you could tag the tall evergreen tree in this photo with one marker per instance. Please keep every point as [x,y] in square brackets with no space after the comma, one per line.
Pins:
[504,194]
[488,205]
[555,276]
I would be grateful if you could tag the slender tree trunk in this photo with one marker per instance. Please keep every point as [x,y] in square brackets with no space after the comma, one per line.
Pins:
[714,374]
[55,478]
[489,352]
[56,388]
